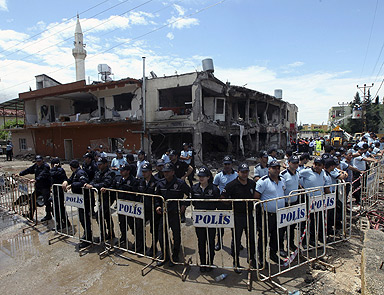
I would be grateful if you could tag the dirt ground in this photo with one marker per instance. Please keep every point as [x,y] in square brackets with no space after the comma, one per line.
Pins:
[29,265]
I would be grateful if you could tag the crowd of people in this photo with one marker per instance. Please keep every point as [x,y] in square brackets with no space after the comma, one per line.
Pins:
[271,179]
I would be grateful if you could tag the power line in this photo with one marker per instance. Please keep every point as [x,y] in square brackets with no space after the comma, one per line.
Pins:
[69,38]
[46,30]
[136,38]
[369,40]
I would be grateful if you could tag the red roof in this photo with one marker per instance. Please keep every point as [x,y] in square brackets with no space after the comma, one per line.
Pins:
[11,113]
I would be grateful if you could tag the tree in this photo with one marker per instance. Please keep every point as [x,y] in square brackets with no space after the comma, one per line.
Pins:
[354,125]
[4,133]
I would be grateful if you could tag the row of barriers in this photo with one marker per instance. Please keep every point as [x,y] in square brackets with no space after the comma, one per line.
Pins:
[303,224]
[18,196]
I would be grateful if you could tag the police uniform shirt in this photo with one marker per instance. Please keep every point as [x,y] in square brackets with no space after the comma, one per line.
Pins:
[186,154]
[90,169]
[77,181]
[118,163]
[222,179]
[147,187]
[359,163]
[331,178]
[270,159]
[103,179]
[58,175]
[126,184]
[269,189]
[180,168]
[301,167]
[309,178]
[210,192]
[259,171]
[375,150]
[140,164]
[345,167]
[291,183]
[361,143]
[236,190]
[175,189]
[166,159]
[42,175]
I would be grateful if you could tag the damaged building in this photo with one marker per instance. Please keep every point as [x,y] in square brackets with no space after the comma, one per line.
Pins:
[215,117]
[151,114]
[63,119]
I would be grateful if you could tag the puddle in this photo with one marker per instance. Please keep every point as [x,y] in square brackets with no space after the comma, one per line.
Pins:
[18,247]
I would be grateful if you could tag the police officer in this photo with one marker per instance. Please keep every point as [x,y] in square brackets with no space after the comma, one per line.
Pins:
[75,183]
[186,156]
[141,161]
[147,185]
[90,167]
[127,182]
[104,178]
[159,168]
[131,161]
[242,188]
[261,169]
[310,178]
[182,171]
[303,160]
[170,187]
[118,162]
[269,187]
[221,180]
[205,190]
[272,153]
[58,176]
[291,177]
[42,185]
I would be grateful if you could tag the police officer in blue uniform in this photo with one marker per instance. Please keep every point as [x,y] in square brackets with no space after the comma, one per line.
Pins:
[76,183]
[171,187]
[58,176]
[269,187]
[291,177]
[221,179]
[127,182]
[42,185]
[205,236]
[104,178]
[242,188]
[159,168]
[90,167]
[147,185]
[261,169]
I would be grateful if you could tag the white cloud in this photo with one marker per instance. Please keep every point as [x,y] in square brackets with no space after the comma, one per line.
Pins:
[180,23]
[179,9]
[170,36]
[3,5]
[296,64]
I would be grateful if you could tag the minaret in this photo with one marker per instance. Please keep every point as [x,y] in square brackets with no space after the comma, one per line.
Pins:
[79,52]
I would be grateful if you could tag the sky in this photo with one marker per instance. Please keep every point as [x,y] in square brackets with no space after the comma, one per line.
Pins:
[316,51]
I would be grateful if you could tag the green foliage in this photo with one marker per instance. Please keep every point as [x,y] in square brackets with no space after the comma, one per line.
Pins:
[372,115]
[4,133]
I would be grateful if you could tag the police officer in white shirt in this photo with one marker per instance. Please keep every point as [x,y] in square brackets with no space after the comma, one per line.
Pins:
[272,153]
[118,162]
[140,162]
[269,187]
[291,177]
[261,169]
[221,180]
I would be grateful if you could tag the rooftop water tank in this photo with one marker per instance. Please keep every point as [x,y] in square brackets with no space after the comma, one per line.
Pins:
[208,65]
[279,93]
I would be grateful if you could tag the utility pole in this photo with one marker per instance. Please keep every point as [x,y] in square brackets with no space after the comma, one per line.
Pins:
[343,104]
[364,89]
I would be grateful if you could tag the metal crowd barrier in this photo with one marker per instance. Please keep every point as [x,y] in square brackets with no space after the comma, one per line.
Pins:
[134,211]
[73,216]
[21,191]
[339,220]
[7,183]
[370,190]
[205,224]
